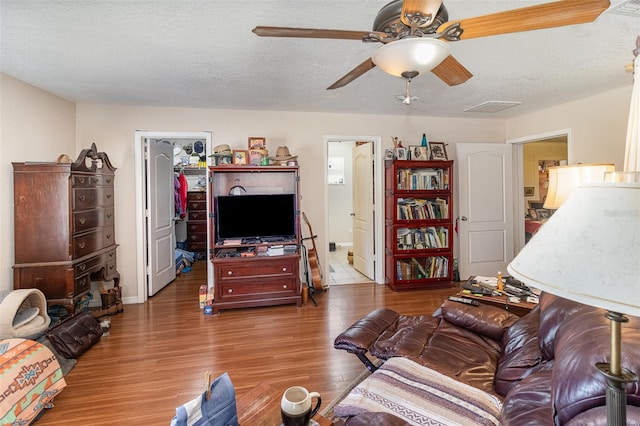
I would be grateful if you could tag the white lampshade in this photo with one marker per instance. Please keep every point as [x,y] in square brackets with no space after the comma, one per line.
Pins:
[564,179]
[589,250]
[419,54]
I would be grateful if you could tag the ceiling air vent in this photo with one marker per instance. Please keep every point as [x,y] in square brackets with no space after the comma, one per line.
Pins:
[626,7]
[492,106]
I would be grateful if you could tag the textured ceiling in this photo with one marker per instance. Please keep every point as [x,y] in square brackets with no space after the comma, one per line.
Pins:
[203,54]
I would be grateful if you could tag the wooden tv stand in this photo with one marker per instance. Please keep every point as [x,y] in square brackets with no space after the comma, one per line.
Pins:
[244,275]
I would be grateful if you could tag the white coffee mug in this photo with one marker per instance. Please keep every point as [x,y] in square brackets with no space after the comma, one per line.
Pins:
[296,406]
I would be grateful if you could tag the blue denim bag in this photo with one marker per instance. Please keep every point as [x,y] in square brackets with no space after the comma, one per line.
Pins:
[215,407]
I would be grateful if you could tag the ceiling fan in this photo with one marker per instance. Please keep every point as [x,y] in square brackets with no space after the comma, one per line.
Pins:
[406,28]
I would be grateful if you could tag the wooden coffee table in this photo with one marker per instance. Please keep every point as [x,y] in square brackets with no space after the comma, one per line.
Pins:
[261,407]
[517,308]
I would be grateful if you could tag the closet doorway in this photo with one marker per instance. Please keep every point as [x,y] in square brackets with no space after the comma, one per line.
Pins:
[155,215]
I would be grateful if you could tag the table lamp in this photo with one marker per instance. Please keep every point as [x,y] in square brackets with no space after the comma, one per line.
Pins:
[564,179]
[588,252]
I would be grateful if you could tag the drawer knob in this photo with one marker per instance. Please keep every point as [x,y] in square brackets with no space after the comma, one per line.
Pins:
[94,180]
[284,269]
[109,215]
[81,180]
[82,267]
[195,215]
[81,244]
[108,196]
[108,180]
[108,236]
[82,220]
[284,286]
[81,197]
[230,273]
[230,290]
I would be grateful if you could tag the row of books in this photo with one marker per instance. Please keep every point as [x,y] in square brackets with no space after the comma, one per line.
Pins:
[422,238]
[427,267]
[421,209]
[414,179]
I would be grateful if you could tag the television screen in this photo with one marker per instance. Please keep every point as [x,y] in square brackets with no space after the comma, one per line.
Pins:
[255,216]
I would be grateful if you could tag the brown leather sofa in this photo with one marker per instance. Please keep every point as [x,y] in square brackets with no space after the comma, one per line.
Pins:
[542,365]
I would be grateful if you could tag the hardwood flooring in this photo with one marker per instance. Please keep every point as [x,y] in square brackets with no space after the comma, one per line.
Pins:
[157,353]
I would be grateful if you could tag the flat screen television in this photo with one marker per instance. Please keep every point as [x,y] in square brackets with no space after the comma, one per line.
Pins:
[255,216]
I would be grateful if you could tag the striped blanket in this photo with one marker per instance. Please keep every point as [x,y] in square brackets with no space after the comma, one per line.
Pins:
[420,396]
[30,377]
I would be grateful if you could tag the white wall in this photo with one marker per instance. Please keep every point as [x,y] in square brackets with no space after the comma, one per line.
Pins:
[598,126]
[34,126]
[112,129]
[39,126]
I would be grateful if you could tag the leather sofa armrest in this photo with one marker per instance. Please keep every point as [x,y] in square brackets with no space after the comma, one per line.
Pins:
[363,333]
[487,320]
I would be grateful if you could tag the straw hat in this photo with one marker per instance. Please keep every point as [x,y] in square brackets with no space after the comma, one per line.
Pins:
[283,154]
[222,149]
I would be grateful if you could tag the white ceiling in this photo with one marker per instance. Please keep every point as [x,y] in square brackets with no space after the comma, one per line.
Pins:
[202,53]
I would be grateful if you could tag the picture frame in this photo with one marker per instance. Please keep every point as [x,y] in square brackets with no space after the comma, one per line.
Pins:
[438,151]
[240,157]
[255,156]
[533,214]
[223,159]
[543,214]
[529,191]
[401,153]
[257,142]
[419,153]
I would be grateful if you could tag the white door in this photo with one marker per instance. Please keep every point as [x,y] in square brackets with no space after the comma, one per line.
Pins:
[485,213]
[363,210]
[160,211]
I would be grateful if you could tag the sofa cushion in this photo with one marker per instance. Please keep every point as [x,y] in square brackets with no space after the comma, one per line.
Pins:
[520,354]
[487,320]
[553,311]
[420,395]
[581,342]
[529,403]
[407,336]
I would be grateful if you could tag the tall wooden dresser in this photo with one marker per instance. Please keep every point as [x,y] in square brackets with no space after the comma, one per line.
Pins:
[64,226]
[197,221]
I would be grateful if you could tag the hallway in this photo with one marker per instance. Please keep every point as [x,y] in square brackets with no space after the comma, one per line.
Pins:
[340,271]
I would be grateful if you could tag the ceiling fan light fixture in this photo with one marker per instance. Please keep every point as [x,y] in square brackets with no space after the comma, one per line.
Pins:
[420,54]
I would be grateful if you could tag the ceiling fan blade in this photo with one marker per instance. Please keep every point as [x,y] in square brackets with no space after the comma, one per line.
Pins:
[422,8]
[353,74]
[548,15]
[312,33]
[452,72]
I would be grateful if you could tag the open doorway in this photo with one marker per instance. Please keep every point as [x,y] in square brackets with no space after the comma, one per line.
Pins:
[353,228]
[154,257]
[532,154]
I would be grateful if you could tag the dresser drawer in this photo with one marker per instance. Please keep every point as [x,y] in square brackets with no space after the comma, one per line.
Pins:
[197,196]
[196,227]
[197,205]
[90,242]
[273,287]
[197,215]
[196,245]
[88,198]
[82,283]
[196,237]
[275,266]
[89,219]
[91,180]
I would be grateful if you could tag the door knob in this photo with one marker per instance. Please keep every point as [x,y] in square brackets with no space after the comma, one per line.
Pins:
[463,218]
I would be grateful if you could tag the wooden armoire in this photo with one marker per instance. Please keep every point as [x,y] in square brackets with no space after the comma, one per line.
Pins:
[64,226]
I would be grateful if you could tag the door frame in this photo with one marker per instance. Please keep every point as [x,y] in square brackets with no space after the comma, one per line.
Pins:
[378,173]
[141,239]
[518,176]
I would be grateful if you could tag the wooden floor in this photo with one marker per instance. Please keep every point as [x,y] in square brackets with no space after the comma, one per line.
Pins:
[157,353]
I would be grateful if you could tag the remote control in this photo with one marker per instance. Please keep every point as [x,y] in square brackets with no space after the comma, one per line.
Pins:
[464,300]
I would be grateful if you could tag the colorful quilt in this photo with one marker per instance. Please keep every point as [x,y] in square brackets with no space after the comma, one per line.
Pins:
[420,396]
[30,377]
